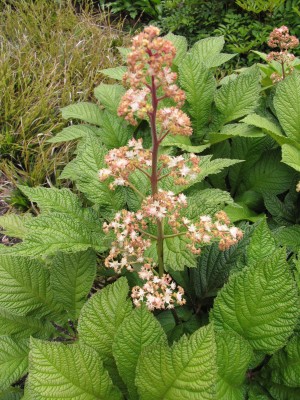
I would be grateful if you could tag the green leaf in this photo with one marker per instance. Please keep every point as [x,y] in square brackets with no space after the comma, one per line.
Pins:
[269,125]
[18,326]
[185,371]
[84,171]
[74,132]
[14,225]
[289,237]
[199,85]
[233,130]
[208,49]
[68,372]
[87,112]
[214,266]
[287,105]
[109,96]
[114,73]
[102,315]
[290,156]
[218,59]
[206,201]
[12,393]
[13,360]
[54,232]
[138,331]
[238,97]
[260,304]
[240,212]
[71,279]
[24,286]
[233,358]
[262,244]
[114,132]
[180,44]
[285,365]
[268,174]
[52,199]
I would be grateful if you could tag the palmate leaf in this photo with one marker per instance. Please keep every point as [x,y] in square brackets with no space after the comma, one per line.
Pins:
[290,156]
[208,48]
[101,316]
[24,286]
[68,372]
[289,237]
[13,360]
[87,112]
[74,132]
[233,358]
[18,326]
[138,331]
[186,371]
[199,85]
[109,96]
[260,304]
[71,279]
[238,97]
[287,105]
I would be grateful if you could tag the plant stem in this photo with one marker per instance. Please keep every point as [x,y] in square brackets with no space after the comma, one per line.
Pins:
[154,176]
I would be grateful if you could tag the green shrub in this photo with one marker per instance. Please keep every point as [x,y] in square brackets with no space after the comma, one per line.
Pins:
[51,56]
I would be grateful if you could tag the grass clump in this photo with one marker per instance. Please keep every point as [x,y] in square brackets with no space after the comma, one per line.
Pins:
[51,56]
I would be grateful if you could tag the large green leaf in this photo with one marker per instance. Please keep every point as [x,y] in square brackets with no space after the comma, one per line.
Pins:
[238,97]
[199,85]
[84,111]
[68,372]
[285,365]
[287,105]
[18,326]
[14,225]
[12,393]
[180,44]
[115,73]
[207,49]
[24,286]
[74,132]
[186,371]
[54,232]
[13,360]
[52,199]
[114,132]
[71,279]
[84,171]
[289,236]
[214,266]
[291,156]
[233,358]
[138,331]
[262,244]
[109,96]
[260,304]
[101,316]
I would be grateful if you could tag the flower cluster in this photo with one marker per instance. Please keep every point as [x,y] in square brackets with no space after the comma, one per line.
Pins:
[125,160]
[133,238]
[157,293]
[174,121]
[281,38]
[149,71]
